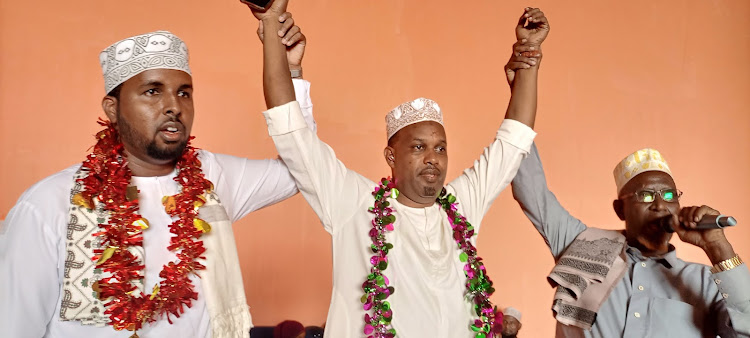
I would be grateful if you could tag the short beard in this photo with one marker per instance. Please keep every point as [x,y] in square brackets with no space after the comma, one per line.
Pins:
[430,191]
[129,134]
[168,154]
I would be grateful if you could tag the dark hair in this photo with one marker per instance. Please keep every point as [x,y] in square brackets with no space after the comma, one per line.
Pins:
[115,92]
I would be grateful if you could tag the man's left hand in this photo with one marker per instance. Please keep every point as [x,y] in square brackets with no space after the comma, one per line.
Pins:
[292,37]
[713,241]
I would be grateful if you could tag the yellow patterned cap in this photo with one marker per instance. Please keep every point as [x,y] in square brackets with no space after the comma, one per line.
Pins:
[643,160]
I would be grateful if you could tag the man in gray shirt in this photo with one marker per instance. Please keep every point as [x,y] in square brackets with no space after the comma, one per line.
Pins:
[658,295]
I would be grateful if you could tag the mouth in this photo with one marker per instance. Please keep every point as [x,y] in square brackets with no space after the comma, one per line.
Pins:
[172,131]
[661,223]
[430,175]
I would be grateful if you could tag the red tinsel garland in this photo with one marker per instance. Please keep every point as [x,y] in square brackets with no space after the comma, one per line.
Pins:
[107,181]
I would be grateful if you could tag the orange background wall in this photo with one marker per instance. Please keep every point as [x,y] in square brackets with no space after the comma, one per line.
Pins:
[617,76]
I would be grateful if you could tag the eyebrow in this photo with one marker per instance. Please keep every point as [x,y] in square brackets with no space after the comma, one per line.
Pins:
[423,141]
[153,84]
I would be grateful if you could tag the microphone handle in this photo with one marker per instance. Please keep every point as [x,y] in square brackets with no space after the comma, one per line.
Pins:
[716,222]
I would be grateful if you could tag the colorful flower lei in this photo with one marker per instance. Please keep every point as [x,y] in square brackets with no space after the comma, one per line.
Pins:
[376,287]
[107,180]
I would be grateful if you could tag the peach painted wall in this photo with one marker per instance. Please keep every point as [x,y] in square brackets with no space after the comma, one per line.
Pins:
[617,76]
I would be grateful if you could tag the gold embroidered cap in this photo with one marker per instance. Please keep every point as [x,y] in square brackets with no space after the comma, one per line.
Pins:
[643,160]
[134,55]
[408,113]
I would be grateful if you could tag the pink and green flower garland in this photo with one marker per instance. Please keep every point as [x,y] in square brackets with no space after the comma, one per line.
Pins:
[377,289]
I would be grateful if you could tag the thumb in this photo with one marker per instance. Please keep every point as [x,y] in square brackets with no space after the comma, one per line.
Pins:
[260,30]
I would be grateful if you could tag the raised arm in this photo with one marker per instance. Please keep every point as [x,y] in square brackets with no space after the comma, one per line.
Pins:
[277,81]
[478,187]
[327,185]
[554,223]
[532,29]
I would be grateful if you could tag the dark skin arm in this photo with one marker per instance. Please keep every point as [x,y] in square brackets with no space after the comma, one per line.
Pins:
[277,80]
[532,28]
[713,242]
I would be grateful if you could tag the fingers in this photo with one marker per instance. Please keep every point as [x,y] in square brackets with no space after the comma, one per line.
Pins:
[523,18]
[524,56]
[523,59]
[519,48]
[701,211]
[687,216]
[690,216]
[286,15]
[296,38]
[286,25]
[516,65]
[535,15]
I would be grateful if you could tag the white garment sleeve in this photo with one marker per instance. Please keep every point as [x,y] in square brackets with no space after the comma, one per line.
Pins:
[480,184]
[302,92]
[29,281]
[245,185]
[328,186]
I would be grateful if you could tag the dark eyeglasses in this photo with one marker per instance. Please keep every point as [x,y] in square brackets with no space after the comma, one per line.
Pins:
[648,196]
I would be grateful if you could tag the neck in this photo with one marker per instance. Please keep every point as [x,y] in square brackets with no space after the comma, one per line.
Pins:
[413,204]
[650,247]
[143,168]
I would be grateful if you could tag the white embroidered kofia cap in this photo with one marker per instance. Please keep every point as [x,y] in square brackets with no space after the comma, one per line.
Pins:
[643,160]
[129,57]
[419,110]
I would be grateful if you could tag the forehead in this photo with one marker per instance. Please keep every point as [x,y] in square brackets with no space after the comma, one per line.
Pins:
[655,180]
[427,130]
[164,76]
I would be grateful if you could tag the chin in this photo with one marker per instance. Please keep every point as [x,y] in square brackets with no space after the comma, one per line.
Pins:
[169,152]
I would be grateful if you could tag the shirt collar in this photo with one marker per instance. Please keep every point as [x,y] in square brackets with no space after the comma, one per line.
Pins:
[668,260]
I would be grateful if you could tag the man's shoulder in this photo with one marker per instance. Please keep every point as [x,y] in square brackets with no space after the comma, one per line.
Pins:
[48,191]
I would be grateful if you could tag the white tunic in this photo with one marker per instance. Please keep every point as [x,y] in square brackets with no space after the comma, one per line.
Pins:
[423,265]
[32,242]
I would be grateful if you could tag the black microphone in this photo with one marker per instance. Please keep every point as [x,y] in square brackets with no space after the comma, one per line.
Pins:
[715,222]
[708,222]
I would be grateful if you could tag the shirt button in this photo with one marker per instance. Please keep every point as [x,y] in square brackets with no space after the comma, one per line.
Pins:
[718,281]
[640,287]
[725,295]
[637,315]
[643,264]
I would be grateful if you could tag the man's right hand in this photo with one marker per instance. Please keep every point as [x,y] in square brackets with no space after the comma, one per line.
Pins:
[532,26]
[524,56]
[531,31]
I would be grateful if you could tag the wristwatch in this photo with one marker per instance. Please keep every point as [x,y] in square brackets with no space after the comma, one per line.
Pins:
[296,73]
[728,264]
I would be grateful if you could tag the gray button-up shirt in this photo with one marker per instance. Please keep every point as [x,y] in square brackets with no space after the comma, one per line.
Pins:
[658,296]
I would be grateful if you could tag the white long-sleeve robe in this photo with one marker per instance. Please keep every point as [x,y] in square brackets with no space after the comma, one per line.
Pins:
[423,265]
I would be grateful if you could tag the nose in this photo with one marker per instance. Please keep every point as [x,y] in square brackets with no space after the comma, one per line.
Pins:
[172,105]
[658,204]
[431,157]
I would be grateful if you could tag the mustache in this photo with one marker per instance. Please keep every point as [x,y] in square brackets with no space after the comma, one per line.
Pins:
[173,118]
[430,170]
